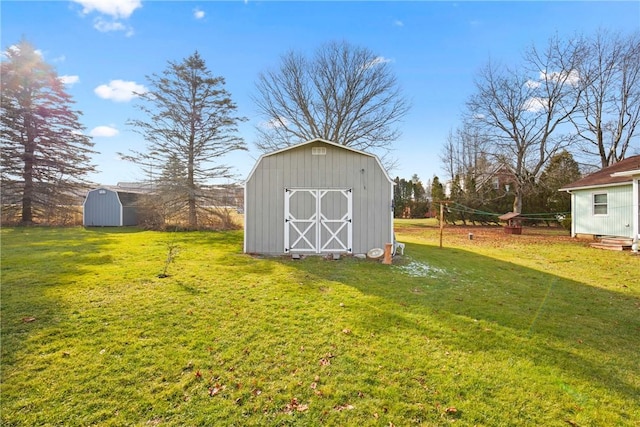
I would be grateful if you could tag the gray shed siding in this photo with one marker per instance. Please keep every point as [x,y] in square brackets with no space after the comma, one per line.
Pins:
[103,208]
[297,167]
[129,207]
[619,218]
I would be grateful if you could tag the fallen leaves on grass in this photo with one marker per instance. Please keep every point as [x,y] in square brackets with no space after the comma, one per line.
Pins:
[216,389]
[28,319]
[326,360]
[294,405]
[343,407]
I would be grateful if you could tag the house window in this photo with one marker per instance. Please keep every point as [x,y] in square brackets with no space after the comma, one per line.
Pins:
[600,204]
[319,151]
[102,191]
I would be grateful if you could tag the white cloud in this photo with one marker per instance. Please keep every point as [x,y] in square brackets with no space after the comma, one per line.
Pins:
[535,104]
[398,23]
[115,8]
[15,49]
[532,84]
[275,123]
[104,131]
[572,77]
[198,14]
[105,26]
[69,80]
[378,60]
[560,77]
[119,90]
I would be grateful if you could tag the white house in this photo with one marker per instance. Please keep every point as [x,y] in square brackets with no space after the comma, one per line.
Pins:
[607,202]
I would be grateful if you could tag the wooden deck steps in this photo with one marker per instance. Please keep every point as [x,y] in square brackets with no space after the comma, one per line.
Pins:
[614,243]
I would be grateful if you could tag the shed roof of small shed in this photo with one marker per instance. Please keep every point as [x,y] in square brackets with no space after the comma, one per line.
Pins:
[127,198]
[508,216]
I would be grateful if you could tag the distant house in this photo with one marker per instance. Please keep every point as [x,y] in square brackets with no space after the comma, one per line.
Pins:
[107,207]
[317,197]
[607,202]
[498,178]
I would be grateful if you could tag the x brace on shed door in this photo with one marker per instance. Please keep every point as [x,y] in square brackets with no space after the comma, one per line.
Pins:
[317,220]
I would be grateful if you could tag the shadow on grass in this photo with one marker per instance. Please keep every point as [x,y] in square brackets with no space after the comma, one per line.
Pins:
[35,260]
[465,302]
[475,303]
[114,230]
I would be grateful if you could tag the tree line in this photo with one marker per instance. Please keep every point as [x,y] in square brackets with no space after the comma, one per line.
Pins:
[342,93]
[527,128]
[579,95]
[531,127]
[481,199]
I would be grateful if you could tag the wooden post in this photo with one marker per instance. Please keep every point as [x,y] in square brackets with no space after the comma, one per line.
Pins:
[441,222]
[387,253]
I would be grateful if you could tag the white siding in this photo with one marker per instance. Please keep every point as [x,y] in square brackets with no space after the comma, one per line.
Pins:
[619,218]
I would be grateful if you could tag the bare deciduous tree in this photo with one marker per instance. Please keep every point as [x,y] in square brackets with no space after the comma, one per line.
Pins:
[609,111]
[344,94]
[465,152]
[521,114]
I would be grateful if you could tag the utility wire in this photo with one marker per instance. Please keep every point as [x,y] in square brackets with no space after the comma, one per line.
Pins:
[541,216]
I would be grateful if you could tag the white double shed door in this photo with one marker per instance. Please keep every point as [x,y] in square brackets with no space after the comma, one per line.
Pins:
[318,220]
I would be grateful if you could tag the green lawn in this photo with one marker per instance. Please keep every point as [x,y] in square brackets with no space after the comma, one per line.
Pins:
[531,330]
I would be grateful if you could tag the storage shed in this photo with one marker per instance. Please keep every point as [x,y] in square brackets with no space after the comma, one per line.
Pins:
[104,207]
[317,197]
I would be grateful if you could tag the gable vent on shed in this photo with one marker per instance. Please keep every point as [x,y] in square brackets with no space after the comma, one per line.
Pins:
[319,151]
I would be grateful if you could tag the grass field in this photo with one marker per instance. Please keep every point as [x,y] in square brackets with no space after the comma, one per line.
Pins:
[498,330]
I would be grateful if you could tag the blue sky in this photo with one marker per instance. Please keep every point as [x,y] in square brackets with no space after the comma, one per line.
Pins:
[105,48]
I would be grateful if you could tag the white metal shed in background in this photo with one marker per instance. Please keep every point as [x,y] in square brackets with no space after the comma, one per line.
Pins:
[104,207]
[317,197]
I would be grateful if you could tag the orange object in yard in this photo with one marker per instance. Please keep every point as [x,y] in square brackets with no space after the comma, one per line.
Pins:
[387,253]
